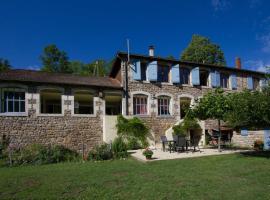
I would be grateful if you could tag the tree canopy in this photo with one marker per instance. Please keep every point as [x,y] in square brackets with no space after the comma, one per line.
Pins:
[203,50]
[4,64]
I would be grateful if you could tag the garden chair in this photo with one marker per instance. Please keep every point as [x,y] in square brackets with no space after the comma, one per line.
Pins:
[195,143]
[182,142]
[164,141]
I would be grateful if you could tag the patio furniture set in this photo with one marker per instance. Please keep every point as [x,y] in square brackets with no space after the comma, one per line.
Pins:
[180,144]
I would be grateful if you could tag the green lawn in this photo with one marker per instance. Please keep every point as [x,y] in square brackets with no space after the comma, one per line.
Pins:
[216,177]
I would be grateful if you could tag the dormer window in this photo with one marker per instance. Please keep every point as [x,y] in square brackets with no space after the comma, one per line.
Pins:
[224,80]
[184,75]
[143,71]
[204,81]
[163,73]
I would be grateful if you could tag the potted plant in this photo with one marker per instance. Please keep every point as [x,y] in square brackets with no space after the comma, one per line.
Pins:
[148,153]
[258,145]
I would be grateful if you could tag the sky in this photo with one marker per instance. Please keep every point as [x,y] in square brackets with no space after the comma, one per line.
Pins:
[89,30]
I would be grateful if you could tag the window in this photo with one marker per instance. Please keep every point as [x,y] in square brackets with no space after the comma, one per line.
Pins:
[163,73]
[224,80]
[143,71]
[163,105]
[204,78]
[140,105]
[12,100]
[83,102]
[256,83]
[51,102]
[113,102]
[184,106]
[184,75]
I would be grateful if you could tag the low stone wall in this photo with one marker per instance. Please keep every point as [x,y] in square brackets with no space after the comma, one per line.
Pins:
[73,132]
[247,141]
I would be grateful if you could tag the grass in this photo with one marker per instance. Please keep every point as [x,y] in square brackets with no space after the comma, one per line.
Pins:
[216,177]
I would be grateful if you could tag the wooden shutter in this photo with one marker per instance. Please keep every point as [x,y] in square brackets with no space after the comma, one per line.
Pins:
[213,79]
[195,73]
[250,83]
[233,81]
[136,70]
[175,74]
[217,79]
[152,71]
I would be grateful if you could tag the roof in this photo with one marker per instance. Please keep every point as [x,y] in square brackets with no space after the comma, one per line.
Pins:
[175,61]
[32,76]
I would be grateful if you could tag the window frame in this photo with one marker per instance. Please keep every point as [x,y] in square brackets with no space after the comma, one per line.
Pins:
[222,75]
[182,70]
[134,104]
[12,89]
[74,91]
[160,74]
[160,107]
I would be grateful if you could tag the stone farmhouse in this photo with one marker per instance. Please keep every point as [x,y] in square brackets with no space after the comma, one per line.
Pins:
[80,112]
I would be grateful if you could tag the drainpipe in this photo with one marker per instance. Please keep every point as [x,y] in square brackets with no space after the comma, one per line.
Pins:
[126,85]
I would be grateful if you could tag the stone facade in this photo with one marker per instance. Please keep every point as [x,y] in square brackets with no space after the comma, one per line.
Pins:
[81,132]
[247,141]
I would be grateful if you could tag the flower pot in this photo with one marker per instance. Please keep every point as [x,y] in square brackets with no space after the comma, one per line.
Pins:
[148,157]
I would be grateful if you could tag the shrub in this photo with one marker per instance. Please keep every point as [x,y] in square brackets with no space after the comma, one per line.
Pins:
[258,145]
[38,154]
[148,153]
[133,144]
[102,152]
[119,148]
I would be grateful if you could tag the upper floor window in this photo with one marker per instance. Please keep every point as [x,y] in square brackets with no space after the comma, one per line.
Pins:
[50,101]
[184,75]
[12,100]
[204,78]
[83,102]
[164,105]
[143,71]
[163,73]
[140,104]
[224,80]
[256,83]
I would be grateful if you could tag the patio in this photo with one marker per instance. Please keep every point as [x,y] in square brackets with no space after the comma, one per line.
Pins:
[159,154]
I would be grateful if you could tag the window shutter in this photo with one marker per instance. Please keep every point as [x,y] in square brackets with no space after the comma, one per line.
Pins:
[233,80]
[213,79]
[195,73]
[249,83]
[244,132]
[152,71]
[175,74]
[267,139]
[263,83]
[217,79]
[136,68]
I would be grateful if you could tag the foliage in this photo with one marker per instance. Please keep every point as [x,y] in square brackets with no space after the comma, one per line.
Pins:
[38,154]
[148,152]
[133,144]
[249,109]
[179,130]
[4,65]
[187,124]
[101,152]
[202,50]
[131,129]
[258,145]
[119,148]
[55,60]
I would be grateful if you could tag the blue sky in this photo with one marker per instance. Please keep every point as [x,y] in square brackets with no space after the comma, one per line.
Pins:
[88,30]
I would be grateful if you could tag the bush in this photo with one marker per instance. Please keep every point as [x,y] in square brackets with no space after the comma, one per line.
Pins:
[37,154]
[102,152]
[119,148]
[133,144]
[258,145]
[148,153]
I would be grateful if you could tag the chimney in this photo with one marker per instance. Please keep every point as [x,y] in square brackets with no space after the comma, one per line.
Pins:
[238,63]
[151,50]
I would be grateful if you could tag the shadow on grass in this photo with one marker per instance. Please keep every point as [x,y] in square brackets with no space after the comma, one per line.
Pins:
[263,154]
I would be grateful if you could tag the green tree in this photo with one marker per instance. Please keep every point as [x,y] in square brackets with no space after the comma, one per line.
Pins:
[4,64]
[202,50]
[55,60]
[77,67]
[99,67]
[213,105]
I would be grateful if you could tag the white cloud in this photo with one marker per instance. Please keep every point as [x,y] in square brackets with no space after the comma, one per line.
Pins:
[256,65]
[219,5]
[32,67]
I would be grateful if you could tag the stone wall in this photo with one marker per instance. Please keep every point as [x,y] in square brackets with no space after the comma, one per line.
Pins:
[247,141]
[79,132]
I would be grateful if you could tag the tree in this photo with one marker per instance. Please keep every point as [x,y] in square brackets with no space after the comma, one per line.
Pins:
[213,105]
[55,60]
[4,64]
[202,50]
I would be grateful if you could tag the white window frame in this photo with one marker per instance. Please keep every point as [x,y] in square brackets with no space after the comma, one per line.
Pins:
[161,98]
[38,108]
[140,96]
